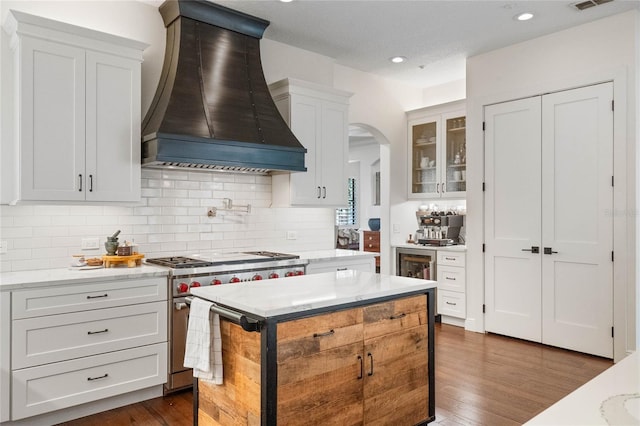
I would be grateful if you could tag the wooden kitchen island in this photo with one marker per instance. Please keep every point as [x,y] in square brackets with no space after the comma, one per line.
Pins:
[339,348]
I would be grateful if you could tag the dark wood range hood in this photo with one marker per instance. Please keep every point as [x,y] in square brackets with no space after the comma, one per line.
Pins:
[212,109]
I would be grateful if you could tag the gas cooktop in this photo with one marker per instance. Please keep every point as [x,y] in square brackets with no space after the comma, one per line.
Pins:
[178,262]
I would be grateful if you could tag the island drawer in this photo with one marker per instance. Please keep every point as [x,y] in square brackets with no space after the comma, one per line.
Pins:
[56,338]
[83,297]
[50,387]
[394,316]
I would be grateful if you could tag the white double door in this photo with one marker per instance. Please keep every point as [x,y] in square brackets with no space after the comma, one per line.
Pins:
[548,219]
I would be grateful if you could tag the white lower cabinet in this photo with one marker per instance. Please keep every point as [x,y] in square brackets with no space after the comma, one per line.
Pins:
[364,264]
[451,285]
[51,387]
[79,343]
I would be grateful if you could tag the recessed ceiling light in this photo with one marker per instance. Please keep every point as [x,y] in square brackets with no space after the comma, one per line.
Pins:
[286,1]
[524,16]
[398,59]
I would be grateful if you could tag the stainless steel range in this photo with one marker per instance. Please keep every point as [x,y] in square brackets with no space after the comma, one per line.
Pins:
[231,268]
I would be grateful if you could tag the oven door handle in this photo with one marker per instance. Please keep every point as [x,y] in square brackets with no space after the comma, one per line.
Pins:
[233,316]
[180,303]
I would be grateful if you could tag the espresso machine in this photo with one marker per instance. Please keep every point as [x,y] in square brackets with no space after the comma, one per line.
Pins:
[438,228]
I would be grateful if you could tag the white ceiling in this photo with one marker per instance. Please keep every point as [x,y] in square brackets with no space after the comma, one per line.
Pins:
[435,36]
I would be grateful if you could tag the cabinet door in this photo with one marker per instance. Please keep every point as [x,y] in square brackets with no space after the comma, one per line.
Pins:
[333,155]
[454,167]
[424,161]
[113,128]
[305,124]
[396,388]
[320,369]
[52,122]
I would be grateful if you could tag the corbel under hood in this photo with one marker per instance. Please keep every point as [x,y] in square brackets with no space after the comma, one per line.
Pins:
[212,109]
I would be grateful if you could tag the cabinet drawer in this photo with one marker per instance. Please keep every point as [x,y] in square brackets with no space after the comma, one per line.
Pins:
[451,258]
[371,237]
[451,278]
[451,303]
[394,316]
[60,385]
[81,334]
[82,297]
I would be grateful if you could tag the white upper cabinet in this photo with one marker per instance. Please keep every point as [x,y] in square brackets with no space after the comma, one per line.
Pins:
[318,116]
[437,151]
[76,133]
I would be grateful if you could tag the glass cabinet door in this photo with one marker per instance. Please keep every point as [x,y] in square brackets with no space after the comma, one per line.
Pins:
[424,158]
[455,153]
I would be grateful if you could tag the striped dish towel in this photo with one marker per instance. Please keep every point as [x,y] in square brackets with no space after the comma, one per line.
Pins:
[203,351]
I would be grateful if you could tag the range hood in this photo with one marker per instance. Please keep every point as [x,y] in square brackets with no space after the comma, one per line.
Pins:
[212,109]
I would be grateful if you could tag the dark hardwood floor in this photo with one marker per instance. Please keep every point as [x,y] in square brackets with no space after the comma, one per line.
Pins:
[481,379]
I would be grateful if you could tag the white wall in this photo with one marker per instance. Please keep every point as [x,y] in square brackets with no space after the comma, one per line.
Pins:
[602,50]
[376,102]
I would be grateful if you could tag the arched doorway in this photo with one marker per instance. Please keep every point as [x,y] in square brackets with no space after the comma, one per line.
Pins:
[373,150]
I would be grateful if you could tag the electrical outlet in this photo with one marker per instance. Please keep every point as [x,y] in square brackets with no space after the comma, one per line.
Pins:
[396,228]
[90,243]
[3,247]
[292,235]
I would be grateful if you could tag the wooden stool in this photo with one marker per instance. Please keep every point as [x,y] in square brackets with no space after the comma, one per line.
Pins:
[131,261]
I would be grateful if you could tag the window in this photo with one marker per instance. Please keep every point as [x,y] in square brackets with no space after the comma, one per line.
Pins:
[347,216]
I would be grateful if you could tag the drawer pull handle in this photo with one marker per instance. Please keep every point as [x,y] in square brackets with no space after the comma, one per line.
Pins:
[342,269]
[106,330]
[393,317]
[328,333]
[370,373]
[450,258]
[97,297]
[449,278]
[98,378]
[450,303]
[361,367]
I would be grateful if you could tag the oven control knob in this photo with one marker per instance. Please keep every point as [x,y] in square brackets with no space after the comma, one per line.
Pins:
[256,277]
[234,280]
[195,284]
[290,274]
[216,281]
[300,272]
[273,275]
[183,288]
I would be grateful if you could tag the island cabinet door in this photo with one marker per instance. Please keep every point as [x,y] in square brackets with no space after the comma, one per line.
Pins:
[320,370]
[396,375]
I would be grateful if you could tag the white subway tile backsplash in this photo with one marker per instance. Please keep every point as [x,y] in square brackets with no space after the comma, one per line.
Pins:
[170,219]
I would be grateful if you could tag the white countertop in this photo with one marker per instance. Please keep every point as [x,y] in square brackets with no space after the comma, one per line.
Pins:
[334,254]
[50,277]
[611,398]
[420,246]
[296,294]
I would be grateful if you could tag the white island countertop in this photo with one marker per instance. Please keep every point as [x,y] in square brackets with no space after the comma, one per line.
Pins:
[285,296]
[457,247]
[611,398]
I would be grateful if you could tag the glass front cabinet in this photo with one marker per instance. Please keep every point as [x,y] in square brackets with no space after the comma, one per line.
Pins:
[437,152]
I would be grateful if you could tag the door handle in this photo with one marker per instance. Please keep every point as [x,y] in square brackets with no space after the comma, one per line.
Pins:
[90,183]
[319,192]
[438,187]
[370,373]
[533,249]
[324,192]
[549,250]
[443,187]
[361,367]
[80,179]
